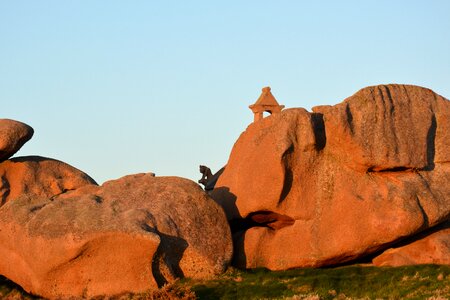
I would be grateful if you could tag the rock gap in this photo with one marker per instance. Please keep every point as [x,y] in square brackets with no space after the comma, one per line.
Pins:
[394,169]
[318,125]
[263,218]
[288,175]
[431,150]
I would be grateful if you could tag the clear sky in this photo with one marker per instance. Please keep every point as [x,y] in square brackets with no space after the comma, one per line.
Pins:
[121,87]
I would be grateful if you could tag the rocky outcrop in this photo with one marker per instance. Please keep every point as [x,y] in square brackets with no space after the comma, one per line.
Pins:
[38,177]
[384,128]
[128,235]
[312,189]
[433,248]
[63,236]
[13,135]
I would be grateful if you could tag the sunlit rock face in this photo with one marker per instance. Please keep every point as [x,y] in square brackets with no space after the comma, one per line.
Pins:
[312,189]
[64,237]
[37,177]
[430,247]
[13,135]
[128,235]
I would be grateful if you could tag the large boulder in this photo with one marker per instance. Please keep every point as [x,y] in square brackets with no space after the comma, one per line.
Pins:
[327,187]
[13,135]
[387,127]
[37,177]
[433,248]
[128,235]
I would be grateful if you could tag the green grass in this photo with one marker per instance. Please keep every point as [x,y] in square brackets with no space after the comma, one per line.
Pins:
[349,282]
[412,282]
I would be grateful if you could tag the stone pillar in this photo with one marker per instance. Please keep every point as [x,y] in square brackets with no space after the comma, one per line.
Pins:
[258,116]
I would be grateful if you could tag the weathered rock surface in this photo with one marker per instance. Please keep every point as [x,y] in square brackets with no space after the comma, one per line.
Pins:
[388,127]
[38,177]
[127,235]
[13,135]
[331,186]
[431,249]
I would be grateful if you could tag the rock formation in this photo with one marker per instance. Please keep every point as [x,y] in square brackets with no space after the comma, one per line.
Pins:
[128,235]
[327,187]
[430,248]
[300,189]
[38,177]
[13,135]
[63,236]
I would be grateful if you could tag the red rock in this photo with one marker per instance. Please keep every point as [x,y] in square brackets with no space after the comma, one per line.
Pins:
[36,176]
[128,235]
[13,135]
[353,177]
[389,126]
[431,249]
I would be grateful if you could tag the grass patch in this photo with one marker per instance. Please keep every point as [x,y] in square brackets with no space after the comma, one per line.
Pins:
[349,282]
[357,282]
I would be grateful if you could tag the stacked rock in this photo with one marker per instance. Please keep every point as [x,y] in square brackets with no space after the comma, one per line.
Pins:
[33,176]
[343,182]
[63,236]
[301,189]
[13,135]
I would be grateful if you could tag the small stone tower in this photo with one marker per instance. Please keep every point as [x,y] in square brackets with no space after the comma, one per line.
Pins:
[265,103]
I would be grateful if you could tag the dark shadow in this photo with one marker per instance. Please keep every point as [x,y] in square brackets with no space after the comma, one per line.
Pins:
[239,260]
[395,169]
[9,290]
[239,226]
[213,180]
[37,207]
[170,252]
[391,100]
[431,150]
[262,218]
[426,221]
[287,160]
[349,115]
[5,190]
[227,201]
[32,158]
[318,125]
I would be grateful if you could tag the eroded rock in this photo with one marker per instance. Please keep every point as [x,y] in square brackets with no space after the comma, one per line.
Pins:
[38,177]
[389,127]
[433,248]
[13,135]
[128,235]
[346,180]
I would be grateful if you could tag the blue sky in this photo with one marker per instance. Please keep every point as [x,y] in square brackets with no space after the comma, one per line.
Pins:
[121,87]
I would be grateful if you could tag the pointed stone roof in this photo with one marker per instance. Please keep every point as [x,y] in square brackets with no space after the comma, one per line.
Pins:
[266,99]
[265,103]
